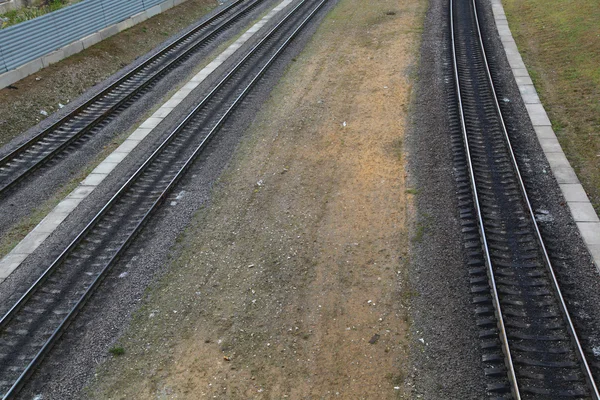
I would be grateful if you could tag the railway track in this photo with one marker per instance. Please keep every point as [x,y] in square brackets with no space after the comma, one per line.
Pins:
[81,122]
[38,319]
[530,345]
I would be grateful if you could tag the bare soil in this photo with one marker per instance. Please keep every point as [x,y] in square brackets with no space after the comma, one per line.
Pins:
[292,283]
[22,103]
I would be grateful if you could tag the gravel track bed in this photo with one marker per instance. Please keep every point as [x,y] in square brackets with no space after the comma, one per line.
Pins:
[449,366]
[577,274]
[68,369]
[58,173]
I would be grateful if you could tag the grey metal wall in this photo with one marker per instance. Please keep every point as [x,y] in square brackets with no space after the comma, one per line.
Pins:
[33,39]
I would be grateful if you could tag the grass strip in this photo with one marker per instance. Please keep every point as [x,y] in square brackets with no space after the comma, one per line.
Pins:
[560,44]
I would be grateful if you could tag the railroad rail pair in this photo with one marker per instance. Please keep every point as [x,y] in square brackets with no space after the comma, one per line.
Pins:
[531,348]
[530,344]
[84,120]
[42,314]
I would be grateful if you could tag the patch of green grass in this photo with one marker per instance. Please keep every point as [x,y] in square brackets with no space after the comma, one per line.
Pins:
[14,17]
[398,147]
[419,233]
[560,44]
[412,191]
[116,351]
[396,379]
[421,228]
[409,294]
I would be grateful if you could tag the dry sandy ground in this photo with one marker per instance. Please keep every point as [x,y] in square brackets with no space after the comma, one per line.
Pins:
[291,284]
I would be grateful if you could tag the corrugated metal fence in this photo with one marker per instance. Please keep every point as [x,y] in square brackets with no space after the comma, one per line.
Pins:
[33,39]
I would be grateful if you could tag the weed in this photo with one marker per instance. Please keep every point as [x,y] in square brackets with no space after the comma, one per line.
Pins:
[14,17]
[421,228]
[419,233]
[397,147]
[395,379]
[116,351]
[412,191]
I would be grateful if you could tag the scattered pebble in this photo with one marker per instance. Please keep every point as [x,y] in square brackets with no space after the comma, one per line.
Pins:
[543,216]
[374,339]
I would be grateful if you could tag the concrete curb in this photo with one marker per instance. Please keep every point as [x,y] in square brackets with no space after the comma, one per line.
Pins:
[50,223]
[579,204]
[15,75]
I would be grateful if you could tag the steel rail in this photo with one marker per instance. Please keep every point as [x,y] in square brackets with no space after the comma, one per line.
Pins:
[488,260]
[80,110]
[588,373]
[89,291]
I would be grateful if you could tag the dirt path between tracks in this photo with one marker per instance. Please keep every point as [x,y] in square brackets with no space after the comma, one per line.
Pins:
[291,285]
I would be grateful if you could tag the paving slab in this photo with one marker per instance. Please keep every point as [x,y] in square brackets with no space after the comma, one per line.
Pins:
[151,122]
[544,132]
[583,211]
[565,175]
[551,145]
[103,168]
[573,192]
[81,192]
[538,115]
[529,94]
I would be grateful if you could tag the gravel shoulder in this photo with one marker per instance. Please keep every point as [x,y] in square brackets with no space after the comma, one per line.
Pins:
[292,282]
[445,356]
[447,364]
